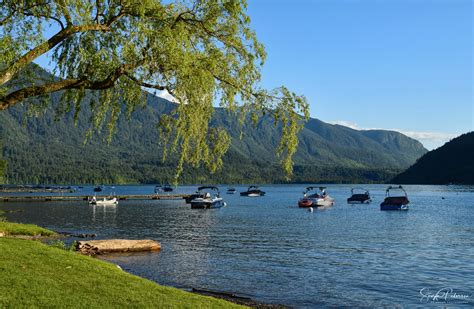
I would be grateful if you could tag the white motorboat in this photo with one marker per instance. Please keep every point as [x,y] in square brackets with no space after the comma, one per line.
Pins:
[104,202]
[315,198]
[206,200]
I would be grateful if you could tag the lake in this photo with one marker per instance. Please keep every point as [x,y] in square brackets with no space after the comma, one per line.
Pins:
[268,249]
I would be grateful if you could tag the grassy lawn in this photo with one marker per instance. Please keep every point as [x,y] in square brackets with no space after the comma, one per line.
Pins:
[33,274]
[10,228]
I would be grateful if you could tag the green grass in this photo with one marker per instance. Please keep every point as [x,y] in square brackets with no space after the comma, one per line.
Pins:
[33,274]
[10,228]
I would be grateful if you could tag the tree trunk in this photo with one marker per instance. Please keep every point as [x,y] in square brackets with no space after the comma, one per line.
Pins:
[93,247]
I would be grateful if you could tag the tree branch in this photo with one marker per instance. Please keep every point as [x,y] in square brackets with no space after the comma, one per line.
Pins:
[19,95]
[70,83]
[46,17]
[65,12]
[98,8]
[27,58]
[148,85]
[7,18]
[16,10]
[115,18]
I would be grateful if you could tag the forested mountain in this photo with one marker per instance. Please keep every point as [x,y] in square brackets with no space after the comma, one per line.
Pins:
[451,163]
[42,150]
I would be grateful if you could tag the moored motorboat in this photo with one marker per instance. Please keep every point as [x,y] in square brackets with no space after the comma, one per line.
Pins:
[230,190]
[104,202]
[359,196]
[193,196]
[253,191]
[208,200]
[395,202]
[98,189]
[163,188]
[315,197]
[167,188]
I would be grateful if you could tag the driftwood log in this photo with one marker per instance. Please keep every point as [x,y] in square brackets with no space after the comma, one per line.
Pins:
[93,247]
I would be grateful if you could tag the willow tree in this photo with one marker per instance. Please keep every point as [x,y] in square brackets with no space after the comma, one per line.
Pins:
[202,52]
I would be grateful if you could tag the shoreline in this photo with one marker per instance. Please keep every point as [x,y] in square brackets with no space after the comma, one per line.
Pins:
[32,235]
[37,275]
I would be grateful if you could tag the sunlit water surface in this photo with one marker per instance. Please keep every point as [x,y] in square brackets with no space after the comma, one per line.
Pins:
[268,249]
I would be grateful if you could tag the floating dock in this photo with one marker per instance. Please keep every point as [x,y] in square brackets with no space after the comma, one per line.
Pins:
[71,198]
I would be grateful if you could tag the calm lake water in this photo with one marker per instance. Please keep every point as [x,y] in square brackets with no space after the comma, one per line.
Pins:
[268,249]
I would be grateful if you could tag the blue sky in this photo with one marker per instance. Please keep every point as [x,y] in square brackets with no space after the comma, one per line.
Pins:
[390,64]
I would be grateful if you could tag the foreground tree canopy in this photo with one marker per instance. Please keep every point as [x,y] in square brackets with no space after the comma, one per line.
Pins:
[200,51]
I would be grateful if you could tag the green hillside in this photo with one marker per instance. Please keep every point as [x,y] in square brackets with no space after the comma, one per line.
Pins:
[44,150]
[451,163]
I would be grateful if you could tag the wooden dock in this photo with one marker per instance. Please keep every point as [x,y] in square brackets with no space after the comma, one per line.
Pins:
[71,198]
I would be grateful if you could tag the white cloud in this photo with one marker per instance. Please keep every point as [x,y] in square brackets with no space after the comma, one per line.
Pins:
[435,136]
[166,95]
[345,123]
[430,140]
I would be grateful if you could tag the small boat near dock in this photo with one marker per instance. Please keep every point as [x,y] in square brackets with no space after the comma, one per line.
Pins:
[98,189]
[397,201]
[104,202]
[315,197]
[359,196]
[167,188]
[163,188]
[210,198]
[230,190]
[252,191]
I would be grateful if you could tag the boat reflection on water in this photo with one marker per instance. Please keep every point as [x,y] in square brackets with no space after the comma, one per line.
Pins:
[105,212]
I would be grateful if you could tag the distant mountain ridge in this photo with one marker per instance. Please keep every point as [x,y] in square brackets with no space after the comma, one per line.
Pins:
[42,150]
[451,163]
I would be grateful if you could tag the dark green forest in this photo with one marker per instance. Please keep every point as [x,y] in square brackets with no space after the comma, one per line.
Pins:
[3,165]
[47,148]
[451,163]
